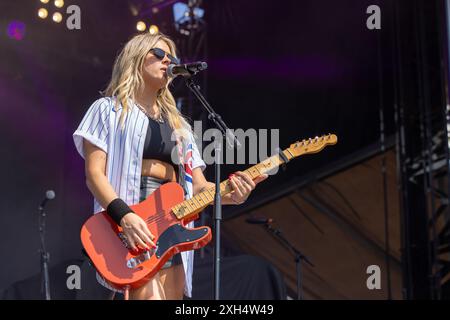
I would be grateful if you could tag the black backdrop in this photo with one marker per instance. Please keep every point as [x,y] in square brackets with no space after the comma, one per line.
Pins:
[305,67]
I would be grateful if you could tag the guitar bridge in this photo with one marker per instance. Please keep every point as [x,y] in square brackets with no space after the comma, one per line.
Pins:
[144,256]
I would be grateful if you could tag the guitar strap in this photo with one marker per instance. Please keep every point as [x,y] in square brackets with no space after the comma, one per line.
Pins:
[181,169]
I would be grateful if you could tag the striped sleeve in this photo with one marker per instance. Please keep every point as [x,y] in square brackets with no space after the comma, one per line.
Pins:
[94,126]
[197,160]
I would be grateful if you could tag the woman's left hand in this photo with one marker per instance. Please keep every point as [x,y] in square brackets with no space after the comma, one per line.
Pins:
[243,185]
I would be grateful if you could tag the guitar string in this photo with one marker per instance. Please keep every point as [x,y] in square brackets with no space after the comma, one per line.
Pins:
[160,217]
[260,171]
[191,202]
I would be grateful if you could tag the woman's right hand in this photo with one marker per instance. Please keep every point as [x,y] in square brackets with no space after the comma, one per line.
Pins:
[136,232]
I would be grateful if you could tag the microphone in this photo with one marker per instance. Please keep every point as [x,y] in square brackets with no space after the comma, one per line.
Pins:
[259,220]
[49,195]
[186,70]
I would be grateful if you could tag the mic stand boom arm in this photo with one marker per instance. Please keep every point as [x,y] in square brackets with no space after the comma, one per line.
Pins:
[298,256]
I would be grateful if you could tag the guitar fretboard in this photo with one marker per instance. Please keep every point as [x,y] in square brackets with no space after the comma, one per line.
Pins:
[205,198]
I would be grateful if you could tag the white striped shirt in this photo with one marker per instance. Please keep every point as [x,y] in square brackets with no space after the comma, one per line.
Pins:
[124,149]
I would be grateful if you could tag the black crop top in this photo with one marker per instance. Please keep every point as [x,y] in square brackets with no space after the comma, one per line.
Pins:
[158,144]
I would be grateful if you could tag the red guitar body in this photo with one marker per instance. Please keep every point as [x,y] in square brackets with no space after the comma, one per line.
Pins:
[122,268]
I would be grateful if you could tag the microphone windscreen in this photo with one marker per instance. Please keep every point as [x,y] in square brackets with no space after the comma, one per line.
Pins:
[50,194]
[169,70]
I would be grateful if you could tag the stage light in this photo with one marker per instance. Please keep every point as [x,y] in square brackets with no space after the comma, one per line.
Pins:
[141,26]
[181,13]
[16,30]
[188,17]
[134,10]
[153,29]
[42,13]
[57,17]
[45,1]
[59,3]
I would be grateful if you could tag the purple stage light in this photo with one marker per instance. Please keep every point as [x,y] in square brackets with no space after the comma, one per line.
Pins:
[291,69]
[16,30]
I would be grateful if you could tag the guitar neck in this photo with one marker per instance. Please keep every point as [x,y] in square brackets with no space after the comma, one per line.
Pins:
[205,198]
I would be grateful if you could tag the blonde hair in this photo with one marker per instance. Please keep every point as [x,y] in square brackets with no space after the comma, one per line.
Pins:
[127,80]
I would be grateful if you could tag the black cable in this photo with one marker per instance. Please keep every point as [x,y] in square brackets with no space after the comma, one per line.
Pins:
[399,120]
[383,165]
[340,194]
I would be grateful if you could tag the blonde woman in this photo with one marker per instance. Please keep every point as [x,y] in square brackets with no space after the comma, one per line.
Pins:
[125,139]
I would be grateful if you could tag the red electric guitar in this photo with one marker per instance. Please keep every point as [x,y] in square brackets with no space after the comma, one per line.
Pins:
[166,213]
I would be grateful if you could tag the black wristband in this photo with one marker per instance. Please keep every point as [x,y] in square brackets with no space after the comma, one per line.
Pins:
[117,209]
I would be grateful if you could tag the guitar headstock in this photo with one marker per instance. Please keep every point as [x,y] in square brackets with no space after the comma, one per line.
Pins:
[312,145]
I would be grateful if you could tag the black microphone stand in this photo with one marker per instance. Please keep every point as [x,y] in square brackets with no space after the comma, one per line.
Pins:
[298,257]
[214,117]
[45,256]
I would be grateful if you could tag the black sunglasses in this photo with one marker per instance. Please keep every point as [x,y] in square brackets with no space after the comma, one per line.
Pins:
[160,54]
